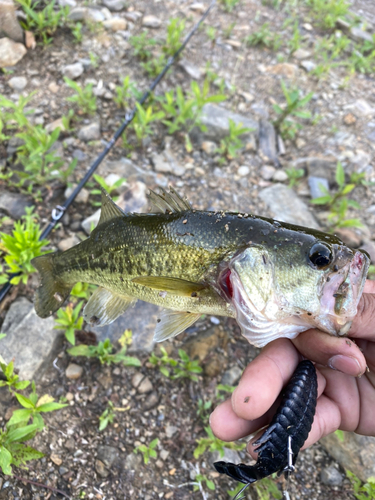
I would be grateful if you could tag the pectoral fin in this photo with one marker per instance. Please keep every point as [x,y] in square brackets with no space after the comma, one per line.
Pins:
[175,286]
[171,323]
[104,307]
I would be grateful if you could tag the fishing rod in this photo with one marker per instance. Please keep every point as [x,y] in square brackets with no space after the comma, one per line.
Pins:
[60,210]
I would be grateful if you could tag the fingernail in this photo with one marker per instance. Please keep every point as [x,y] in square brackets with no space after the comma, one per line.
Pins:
[345,364]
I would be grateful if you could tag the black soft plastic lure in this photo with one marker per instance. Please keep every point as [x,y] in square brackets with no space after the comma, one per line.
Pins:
[280,444]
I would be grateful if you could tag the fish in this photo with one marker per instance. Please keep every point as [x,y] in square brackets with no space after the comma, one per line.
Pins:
[276,279]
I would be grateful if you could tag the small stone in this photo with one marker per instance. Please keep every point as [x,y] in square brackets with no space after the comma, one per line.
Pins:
[151,401]
[67,3]
[285,69]
[70,444]
[214,366]
[54,125]
[115,5]
[53,87]
[307,26]
[115,24]
[331,476]
[73,71]
[17,83]
[141,383]
[10,52]
[308,66]
[243,171]
[73,371]
[363,108]
[171,430]
[349,236]
[359,35]
[67,243]
[231,376]
[133,16]
[133,461]
[198,7]
[55,459]
[301,54]
[101,469]
[189,68]
[151,22]
[280,176]
[69,396]
[78,14]
[95,15]
[166,163]
[164,454]
[300,143]
[318,186]
[14,204]
[107,455]
[267,172]
[209,147]
[82,196]
[90,132]
[267,140]
[349,119]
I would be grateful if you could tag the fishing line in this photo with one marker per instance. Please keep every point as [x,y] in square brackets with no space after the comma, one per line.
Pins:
[59,210]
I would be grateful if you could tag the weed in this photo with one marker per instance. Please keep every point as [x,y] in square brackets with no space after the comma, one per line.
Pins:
[124,93]
[141,45]
[362,491]
[338,203]
[231,144]
[154,65]
[84,97]
[66,121]
[201,479]
[16,118]
[264,37]
[104,353]
[294,107]
[213,443]
[294,175]
[68,319]
[77,32]
[327,12]
[82,290]
[222,389]
[229,5]
[142,121]
[175,29]
[294,43]
[108,187]
[267,489]
[211,32]
[147,451]
[11,379]
[174,369]
[94,60]
[340,435]
[107,416]
[203,409]
[228,30]
[21,247]
[43,22]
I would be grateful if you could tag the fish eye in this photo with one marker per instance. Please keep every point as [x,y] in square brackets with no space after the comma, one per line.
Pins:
[320,255]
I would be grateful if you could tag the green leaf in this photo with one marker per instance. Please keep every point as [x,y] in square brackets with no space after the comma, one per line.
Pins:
[51,407]
[81,350]
[19,416]
[21,433]
[340,175]
[5,461]
[323,200]
[24,401]
[25,454]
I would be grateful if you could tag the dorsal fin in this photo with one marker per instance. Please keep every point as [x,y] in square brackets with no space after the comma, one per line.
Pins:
[109,209]
[168,202]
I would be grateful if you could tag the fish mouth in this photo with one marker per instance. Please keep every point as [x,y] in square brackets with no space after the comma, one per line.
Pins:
[341,293]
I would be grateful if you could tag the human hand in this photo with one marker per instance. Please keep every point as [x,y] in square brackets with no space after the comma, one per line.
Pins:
[346,387]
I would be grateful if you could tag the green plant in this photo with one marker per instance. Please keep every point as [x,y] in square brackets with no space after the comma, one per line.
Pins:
[107,416]
[125,93]
[203,408]
[338,203]
[142,121]
[104,353]
[77,32]
[267,489]
[174,369]
[155,65]
[294,43]
[147,451]
[294,175]
[94,59]
[11,379]
[230,144]
[141,45]
[84,97]
[340,435]
[211,32]
[13,450]
[108,187]
[21,247]
[229,5]
[223,389]
[43,22]
[16,118]
[213,443]
[362,491]
[294,107]
[68,319]
[264,37]
[201,479]
[327,12]
[228,30]
[82,290]
[175,29]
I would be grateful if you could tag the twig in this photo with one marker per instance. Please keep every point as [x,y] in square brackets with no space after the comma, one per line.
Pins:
[41,485]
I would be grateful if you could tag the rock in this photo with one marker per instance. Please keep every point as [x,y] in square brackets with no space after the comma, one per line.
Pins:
[107,455]
[267,172]
[53,87]
[200,346]
[101,469]
[151,22]
[164,454]
[267,140]
[14,204]
[141,383]
[166,163]
[243,171]
[355,452]
[209,147]
[58,123]
[216,119]
[229,456]
[151,401]
[67,3]
[9,24]
[359,35]
[31,357]
[82,196]
[280,176]
[73,71]
[73,371]
[193,71]
[171,430]
[317,186]
[133,16]
[231,376]
[95,15]
[369,247]
[349,236]
[17,83]
[55,459]
[331,476]
[215,365]
[308,66]
[285,205]
[349,119]
[115,24]
[285,69]
[10,52]
[133,461]
[318,167]
[198,7]
[115,5]
[90,132]
[78,14]
[363,108]
[301,54]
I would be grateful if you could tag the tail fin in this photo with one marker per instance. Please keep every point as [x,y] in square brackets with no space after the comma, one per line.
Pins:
[52,292]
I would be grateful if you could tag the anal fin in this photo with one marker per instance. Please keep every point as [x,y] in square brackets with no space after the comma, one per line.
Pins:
[105,306]
[171,323]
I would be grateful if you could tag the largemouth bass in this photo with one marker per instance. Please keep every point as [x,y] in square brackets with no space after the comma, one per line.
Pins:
[276,279]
